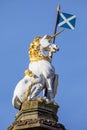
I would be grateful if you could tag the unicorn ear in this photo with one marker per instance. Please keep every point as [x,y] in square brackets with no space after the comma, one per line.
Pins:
[47,37]
[44,41]
[44,37]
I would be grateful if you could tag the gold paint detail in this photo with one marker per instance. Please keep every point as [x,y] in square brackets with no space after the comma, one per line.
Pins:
[40,99]
[35,59]
[57,33]
[29,89]
[29,73]
[54,35]
[34,51]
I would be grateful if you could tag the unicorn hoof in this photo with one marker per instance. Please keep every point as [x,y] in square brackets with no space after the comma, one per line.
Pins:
[29,98]
[46,99]
[40,99]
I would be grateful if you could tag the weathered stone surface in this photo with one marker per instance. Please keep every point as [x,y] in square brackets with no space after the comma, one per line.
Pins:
[38,109]
[37,115]
[36,124]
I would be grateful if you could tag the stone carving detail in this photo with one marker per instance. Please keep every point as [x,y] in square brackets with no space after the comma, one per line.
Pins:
[28,123]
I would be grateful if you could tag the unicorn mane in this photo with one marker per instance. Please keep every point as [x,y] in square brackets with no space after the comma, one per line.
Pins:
[34,51]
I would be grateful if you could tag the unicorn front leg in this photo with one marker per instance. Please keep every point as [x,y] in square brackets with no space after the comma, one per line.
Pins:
[52,87]
[35,88]
[49,91]
[35,91]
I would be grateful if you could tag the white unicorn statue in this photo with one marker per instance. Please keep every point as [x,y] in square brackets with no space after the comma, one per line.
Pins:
[40,75]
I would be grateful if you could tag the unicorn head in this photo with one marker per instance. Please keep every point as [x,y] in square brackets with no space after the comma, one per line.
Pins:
[43,48]
[47,44]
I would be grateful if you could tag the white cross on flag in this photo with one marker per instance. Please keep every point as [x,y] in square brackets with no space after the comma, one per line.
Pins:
[66,20]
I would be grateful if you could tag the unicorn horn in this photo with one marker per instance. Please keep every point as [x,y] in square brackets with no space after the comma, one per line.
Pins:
[51,37]
[57,33]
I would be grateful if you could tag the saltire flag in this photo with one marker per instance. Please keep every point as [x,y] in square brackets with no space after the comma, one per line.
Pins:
[66,20]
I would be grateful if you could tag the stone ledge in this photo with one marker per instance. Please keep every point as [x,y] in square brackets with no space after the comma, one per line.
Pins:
[38,109]
[37,115]
[40,103]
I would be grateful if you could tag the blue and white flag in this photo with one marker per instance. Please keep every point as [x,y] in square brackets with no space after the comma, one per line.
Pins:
[66,20]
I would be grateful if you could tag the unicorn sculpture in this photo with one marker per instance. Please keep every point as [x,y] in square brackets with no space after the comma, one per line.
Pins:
[40,75]
[40,62]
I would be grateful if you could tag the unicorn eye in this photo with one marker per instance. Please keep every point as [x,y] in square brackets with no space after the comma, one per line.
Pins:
[50,41]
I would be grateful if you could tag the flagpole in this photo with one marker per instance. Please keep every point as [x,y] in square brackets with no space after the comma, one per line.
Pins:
[55,29]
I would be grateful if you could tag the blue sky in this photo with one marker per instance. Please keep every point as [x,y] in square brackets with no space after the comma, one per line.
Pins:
[20,22]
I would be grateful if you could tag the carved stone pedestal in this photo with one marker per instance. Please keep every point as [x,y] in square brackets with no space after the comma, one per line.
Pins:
[37,115]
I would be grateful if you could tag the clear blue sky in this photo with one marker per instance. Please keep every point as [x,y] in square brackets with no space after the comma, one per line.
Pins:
[20,22]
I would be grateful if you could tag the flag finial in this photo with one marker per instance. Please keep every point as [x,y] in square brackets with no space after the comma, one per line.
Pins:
[58,8]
